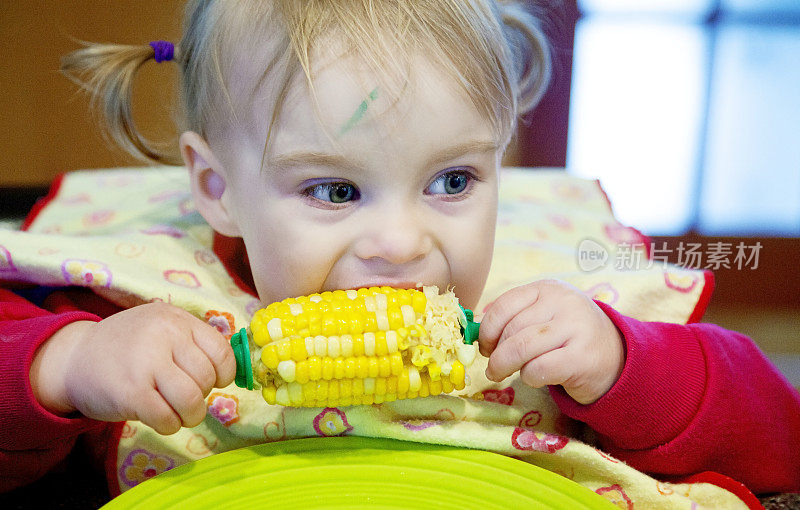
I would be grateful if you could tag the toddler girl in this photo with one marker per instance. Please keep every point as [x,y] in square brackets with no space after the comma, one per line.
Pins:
[344,144]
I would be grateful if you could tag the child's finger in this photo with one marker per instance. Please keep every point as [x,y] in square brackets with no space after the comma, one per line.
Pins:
[551,368]
[218,351]
[500,313]
[196,364]
[154,411]
[182,394]
[539,314]
[512,353]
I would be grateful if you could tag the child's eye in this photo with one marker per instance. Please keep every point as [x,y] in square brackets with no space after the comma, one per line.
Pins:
[334,192]
[451,183]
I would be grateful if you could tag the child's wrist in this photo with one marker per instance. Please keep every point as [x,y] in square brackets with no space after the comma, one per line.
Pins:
[50,365]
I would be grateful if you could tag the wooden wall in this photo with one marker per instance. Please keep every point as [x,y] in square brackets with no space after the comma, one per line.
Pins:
[45,127]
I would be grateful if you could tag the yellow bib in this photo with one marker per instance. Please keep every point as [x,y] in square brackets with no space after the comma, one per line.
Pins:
[133,236]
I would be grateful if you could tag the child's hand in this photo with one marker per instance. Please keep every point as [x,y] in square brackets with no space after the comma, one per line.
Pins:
[154,363]
[553,334]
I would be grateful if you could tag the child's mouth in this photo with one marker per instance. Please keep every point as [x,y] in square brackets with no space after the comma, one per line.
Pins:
[397,284]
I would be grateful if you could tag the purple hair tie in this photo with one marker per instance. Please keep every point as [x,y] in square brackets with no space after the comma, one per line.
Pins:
[164,50]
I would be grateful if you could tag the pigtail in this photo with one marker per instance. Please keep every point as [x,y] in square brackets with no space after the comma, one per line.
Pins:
[106,72]
[530,51]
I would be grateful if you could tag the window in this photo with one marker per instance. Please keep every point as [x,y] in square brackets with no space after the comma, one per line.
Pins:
[689,113]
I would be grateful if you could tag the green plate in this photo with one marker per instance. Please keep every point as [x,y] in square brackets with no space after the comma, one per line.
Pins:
[358,472]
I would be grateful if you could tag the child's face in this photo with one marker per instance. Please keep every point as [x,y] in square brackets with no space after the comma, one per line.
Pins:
[409,197]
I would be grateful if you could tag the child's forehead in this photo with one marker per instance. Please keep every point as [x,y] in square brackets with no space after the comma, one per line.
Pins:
[348,93]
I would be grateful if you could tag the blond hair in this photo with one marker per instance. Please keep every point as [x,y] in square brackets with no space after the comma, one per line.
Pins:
[493,49]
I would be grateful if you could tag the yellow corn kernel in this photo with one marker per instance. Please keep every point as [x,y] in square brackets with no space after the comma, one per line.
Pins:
[338,368]
[435,387]
[382,320]
[391,341]
[310,391]
[384,366]
[381,349]
[314,368]
[259,330]
[301,320]
[421,355]
[466,353]
[333,390]
[404,297]
[350,365]
[369,385]
[346,343]
[381,302]
[395,317]
[434,372]
[402,339]
[270,356]
[314,323]
[409,317]
[419,301]
[358,387]
[362,370]
[329,326]
[424,390]
[309,340]
[447,386]
[396,361]
[334,347]
[286,369]
[369,344]
[299,352]
[374,368]
[380,386]
[295,393]
[402,382]
[458,375]
[282,395]
[284,350]
[322,389]
[346,388]
[391,385]
[357,324]
[301,372]
[414,379]
[358,345]
[268,392]
[327,368]
[370,323]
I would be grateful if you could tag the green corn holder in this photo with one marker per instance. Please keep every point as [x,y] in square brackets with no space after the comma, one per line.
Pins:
[469,328]
[244,367]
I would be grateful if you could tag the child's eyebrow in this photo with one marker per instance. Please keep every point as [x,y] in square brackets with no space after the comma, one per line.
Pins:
[295,159]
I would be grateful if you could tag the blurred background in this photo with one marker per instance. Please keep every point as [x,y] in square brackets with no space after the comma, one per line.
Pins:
[688,111]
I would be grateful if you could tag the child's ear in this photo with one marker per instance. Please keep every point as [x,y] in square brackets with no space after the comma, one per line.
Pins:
[207,179]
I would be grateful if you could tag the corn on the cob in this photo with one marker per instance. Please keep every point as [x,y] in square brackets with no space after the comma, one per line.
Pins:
[363,346]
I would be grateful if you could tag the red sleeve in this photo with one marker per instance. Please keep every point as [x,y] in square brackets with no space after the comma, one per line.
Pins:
[32,440]
[695,398]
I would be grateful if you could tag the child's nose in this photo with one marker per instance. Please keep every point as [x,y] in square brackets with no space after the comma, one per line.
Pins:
[396,237]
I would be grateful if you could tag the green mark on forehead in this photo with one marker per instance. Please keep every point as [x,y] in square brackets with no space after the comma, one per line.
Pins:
[360,111]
